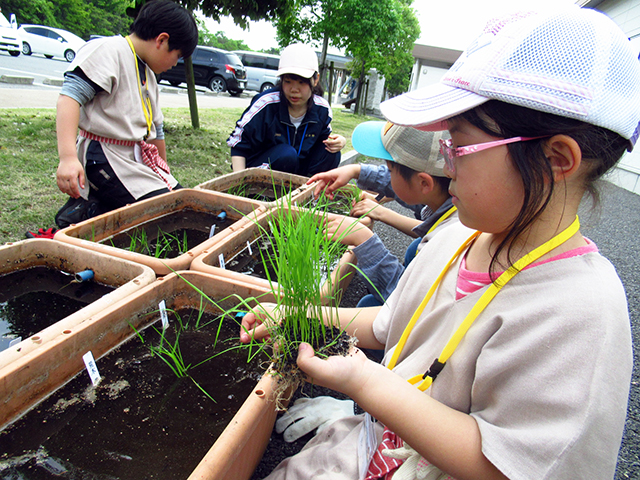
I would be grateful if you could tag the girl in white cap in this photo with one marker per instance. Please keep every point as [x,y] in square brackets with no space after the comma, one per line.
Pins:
[508,344]
[288,128]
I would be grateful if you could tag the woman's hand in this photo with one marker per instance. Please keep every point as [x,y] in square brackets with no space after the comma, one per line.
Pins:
[346,230]
[334,143]
[255,324]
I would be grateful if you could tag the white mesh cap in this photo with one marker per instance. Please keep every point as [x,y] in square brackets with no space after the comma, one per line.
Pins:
[574,62]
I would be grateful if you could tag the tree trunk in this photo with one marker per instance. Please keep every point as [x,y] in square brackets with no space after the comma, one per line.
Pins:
[360,85]
[323,62]
[191,90]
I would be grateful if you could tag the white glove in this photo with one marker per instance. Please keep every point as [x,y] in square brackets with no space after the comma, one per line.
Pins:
[414,467]
[310,413]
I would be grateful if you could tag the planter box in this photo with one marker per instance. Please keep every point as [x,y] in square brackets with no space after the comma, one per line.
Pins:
[125,277]
[237,450]
[255,179]
[209,261]
[104,227]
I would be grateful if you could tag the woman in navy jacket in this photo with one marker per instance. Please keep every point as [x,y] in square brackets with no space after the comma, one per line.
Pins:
[288,128]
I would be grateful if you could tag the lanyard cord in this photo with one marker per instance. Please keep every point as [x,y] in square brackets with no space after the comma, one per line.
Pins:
[493,289]
[303,134]
[146,105]
[446,215]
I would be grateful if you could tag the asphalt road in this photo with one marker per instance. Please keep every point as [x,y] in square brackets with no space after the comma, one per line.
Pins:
[43,95]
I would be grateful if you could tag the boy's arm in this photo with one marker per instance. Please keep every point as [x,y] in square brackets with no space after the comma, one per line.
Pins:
[375,211]
[70,175]
[445,437]
[162,147]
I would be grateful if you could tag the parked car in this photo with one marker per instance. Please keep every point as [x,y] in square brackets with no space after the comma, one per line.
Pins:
[262,69]
[9,35]
[216,69]
[49,41]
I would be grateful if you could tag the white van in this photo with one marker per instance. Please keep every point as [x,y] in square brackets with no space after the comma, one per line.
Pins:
[262,69]
[10,40]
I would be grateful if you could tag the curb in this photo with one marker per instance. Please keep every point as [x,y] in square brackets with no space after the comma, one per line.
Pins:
[350,157]
[16,80]
[57,82]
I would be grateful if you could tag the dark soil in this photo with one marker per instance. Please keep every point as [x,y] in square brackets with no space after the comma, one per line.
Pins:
[140,422]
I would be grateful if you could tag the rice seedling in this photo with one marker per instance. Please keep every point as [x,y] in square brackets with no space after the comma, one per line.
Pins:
[168,348]
[161,247]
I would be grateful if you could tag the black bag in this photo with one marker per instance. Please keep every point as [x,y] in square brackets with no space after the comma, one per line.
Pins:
[76,210]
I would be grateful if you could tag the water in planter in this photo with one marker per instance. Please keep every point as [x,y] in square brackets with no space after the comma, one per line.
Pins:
[141,421]
[34,298]
[172,235]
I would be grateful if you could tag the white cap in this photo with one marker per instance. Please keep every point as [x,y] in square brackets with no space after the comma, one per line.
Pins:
[574,63]
[407,146]
[298,59]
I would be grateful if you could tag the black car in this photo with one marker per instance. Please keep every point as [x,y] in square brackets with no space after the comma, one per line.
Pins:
[216,69]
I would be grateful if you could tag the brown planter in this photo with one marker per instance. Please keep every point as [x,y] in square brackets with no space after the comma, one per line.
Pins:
[239,448]
[126,277]
[296,184]
[103,227]
[235,244]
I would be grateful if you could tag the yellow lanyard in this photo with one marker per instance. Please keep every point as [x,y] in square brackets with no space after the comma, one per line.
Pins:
[446,215]
[146,102]
[493,289]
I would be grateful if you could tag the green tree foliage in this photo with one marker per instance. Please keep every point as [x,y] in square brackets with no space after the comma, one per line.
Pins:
[377,33]
[82,17]
[218,39]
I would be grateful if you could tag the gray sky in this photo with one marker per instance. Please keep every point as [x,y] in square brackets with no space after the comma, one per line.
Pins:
[443,23]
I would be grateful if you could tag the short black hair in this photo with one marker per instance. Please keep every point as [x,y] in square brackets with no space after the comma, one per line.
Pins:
[166,16]
[407,173]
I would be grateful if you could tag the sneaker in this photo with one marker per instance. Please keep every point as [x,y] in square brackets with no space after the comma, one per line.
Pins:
[76,210]
[42,233]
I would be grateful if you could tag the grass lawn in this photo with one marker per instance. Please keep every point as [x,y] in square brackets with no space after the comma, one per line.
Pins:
[29,157]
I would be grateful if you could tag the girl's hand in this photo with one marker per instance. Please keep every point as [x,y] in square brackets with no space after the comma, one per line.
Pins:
[368,207]
[334,143]
[255,323]
[344,374]
[348,231]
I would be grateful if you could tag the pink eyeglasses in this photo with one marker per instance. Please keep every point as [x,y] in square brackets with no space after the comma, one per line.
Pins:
[449,152]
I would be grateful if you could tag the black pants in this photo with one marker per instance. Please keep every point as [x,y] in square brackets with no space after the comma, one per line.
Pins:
[106,187]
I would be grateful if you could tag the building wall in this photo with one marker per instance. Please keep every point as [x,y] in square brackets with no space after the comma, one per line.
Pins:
[626,14]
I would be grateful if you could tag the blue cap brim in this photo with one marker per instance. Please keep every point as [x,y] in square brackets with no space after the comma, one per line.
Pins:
[367,140]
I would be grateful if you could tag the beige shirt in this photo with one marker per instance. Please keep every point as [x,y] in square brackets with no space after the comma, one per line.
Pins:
[117,113]
[544,370]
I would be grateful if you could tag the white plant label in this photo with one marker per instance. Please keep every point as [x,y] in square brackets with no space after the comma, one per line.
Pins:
[221,261]
[212,232]
[163,314]
[92,368]
[15,341]
[249,248]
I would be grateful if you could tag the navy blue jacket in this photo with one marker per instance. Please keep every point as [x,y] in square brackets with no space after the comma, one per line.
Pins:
[266,123]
